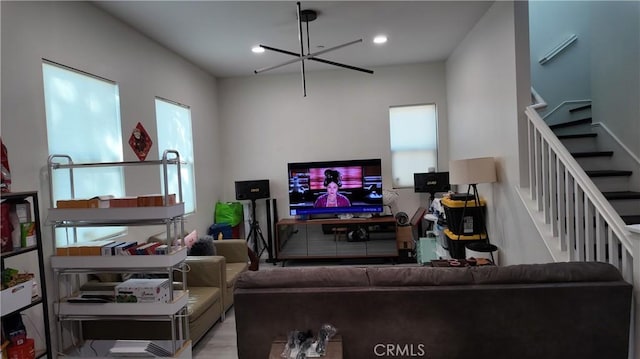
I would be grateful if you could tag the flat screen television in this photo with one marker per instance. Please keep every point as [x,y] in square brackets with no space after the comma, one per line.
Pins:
[358,184]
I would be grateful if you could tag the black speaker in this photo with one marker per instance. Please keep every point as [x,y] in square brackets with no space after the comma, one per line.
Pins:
[431,182]
[252,189]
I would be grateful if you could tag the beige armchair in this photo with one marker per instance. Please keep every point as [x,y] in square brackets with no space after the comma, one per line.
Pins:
[236,258]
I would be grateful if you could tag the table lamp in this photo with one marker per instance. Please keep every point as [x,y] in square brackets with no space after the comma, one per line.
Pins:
[471,172]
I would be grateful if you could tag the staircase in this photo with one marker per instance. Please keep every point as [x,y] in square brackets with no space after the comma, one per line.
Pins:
[583,192]
[613,177]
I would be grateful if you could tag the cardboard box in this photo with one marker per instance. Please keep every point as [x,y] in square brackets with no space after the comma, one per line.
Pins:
[404,237]
[16,297]
[78,203]
[156,200]
[143,291]
[23,211]
[103,201]
[123,202]
[83,249]
[27,234]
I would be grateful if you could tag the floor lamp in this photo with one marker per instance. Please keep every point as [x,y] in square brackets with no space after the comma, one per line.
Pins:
[471,172]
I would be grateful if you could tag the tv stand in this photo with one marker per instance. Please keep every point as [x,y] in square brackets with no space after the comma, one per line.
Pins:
[334,238]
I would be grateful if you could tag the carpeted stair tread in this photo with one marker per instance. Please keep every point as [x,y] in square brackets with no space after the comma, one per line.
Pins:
[578,135]
[621,195]
[580,108]
[571,123]
[631,219]
[592,154]
[608,173]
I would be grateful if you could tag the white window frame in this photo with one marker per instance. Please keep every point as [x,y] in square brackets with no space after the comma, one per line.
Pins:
[175,132]
[77,102]
[413,133]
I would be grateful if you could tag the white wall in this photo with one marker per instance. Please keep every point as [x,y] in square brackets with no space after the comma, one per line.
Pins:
[615,69]
[603,65]
[483,98]
[267,122]
[79,35]
[566,76]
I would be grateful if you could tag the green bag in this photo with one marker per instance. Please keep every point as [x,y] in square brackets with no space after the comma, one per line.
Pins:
[228,212]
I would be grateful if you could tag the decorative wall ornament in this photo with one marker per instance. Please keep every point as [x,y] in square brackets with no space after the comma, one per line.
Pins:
[140,142]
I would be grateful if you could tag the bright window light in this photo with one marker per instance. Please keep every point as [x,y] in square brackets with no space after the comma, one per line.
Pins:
[174,133]
[414,142]
[83,122]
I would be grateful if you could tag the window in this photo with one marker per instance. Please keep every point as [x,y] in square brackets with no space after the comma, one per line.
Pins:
[174,133]
[83,121]
[414,142]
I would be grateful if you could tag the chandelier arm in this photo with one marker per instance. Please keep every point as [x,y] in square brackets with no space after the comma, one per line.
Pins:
[295,54]
[308,43]
[305,56]
[304,83]
[334,48]
[279,65]
[329,62]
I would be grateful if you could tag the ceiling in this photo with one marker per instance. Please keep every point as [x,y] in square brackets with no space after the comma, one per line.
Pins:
[218,35]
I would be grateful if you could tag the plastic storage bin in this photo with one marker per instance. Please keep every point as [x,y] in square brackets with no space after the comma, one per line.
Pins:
[457,243]
[16,297]
[473,221]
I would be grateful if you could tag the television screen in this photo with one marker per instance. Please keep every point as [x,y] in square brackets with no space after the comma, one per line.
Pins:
[335,187]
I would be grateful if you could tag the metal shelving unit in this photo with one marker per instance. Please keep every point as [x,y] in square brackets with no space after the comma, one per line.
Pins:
[69,270]
[32,197]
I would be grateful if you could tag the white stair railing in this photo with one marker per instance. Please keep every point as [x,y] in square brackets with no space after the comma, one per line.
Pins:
[583,224]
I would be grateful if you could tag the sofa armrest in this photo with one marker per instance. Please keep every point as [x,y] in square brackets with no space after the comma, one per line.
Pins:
[233,250]
[206,271]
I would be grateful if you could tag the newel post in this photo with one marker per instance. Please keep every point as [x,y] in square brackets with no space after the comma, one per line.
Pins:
[635,328]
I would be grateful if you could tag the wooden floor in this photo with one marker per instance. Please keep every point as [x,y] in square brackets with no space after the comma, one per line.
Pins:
[220,341]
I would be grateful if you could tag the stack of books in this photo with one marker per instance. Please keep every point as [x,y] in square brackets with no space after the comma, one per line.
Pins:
[113,248]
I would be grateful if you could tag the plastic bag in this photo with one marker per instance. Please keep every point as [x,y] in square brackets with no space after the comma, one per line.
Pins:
[6,172]
[229,213]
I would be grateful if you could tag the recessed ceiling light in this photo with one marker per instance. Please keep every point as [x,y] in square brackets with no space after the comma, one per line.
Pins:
[380,39]
[257,49]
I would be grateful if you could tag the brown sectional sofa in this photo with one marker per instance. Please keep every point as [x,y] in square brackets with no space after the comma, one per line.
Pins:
[555,310]
[210,281]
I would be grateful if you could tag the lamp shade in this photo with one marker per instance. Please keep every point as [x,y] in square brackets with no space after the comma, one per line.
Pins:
[472,171]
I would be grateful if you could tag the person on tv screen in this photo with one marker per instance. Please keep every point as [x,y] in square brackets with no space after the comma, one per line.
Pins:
[332,198]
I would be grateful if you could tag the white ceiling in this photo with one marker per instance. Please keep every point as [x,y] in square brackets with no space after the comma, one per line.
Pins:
[218,35]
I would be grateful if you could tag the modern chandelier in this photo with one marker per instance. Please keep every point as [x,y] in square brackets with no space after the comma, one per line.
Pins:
[307,16]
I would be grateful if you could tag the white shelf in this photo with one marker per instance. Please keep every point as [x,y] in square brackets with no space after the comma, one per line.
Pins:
[71,263]
[64,308]
[124,215]
[69,269]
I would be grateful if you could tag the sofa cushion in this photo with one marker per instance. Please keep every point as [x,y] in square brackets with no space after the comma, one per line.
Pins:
[418,276]
[304,277]
[201,299]
[233,271]
[546,273]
